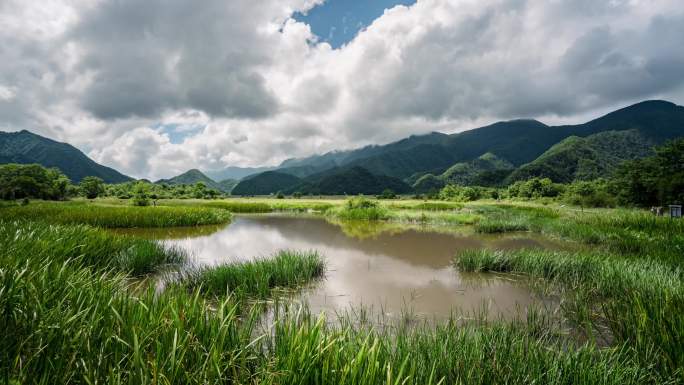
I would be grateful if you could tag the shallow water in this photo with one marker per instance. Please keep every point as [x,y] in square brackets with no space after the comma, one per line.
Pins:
[389,268]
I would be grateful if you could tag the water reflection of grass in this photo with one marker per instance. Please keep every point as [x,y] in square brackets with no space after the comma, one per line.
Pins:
[169,233]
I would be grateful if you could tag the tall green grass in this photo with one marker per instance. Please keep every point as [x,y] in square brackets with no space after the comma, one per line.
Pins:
[257,278]
[69,317]
[306,350]
[639,302]
[83,246]
[115,216]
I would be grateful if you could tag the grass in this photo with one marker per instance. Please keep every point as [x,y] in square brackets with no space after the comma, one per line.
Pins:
[73,323]
[638,302]
[256,206]
[83,246]
[115,216]
[71,315]
[257,278]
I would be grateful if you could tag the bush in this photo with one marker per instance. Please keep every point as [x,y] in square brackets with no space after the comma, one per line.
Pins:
[387,194]
[460,193]
[595,193]
[140,197]
[535,188]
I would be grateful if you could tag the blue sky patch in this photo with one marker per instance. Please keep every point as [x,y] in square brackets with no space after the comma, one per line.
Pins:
[338,21]
[178,132]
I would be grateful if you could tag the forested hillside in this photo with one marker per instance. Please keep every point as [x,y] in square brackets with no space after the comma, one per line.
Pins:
[26,148]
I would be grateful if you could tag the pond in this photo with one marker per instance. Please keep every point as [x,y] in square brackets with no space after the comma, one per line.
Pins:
[390,269]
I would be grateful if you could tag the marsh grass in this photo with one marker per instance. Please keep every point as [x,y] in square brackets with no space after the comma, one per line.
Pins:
[426,206]
[360,208]
[638,302]
[255,206]
[259,277]
[82,245]
[115,216]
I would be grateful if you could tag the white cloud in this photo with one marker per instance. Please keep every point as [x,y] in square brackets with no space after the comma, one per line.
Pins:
[253,87]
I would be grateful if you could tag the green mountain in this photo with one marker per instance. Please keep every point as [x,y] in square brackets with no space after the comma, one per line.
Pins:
[236,173]
[350,181]
[595,156]
[26,147]
[265,183]
[486,170]
[517,141]
[192,177]
[227,185]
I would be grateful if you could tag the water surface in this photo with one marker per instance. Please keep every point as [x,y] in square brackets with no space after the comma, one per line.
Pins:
[386,267]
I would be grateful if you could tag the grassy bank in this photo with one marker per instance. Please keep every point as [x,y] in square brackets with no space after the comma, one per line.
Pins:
[67,213]
[635,303]
[258,205]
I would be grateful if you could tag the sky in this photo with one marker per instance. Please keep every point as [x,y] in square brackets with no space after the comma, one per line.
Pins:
[337,22]
[156,87]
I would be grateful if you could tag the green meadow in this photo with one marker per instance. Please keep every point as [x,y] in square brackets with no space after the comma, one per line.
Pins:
[79,303]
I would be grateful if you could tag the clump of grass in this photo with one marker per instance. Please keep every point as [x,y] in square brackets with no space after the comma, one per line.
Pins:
[360,208]
[307,350]
[436,217]
[639,301]
[258,278]
[84,246]
[490,226]
[428,206]
[116,216]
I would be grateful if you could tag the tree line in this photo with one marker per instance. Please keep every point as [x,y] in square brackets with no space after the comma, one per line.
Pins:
[656,180]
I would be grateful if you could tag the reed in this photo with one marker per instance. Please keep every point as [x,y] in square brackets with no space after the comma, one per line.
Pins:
[257,278]
[636,300]
[83,246]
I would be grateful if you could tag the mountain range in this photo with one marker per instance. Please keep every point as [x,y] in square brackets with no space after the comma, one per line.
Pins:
[492,155]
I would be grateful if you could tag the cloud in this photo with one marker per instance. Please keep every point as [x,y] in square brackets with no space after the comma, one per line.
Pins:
[253,86]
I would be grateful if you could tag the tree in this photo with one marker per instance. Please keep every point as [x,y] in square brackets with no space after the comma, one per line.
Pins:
[18,181]
[140,194]
[199,190]
[92,187]
[656,180]
[387,194]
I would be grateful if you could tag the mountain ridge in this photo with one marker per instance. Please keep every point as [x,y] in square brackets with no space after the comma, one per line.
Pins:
[25,147]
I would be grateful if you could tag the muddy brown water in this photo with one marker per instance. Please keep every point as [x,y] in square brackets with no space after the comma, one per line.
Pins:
[387,268]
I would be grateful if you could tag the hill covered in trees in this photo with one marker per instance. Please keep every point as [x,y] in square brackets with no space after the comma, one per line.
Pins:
[350,181]
[592,157]
[265,183]
[486,170]
[194,176]
[27,148]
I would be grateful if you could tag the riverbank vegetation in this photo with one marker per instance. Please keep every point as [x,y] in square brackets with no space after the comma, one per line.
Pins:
[73,319]
[115,216]
[77,316]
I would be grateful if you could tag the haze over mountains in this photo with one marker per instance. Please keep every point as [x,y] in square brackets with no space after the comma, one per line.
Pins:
[491,155]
